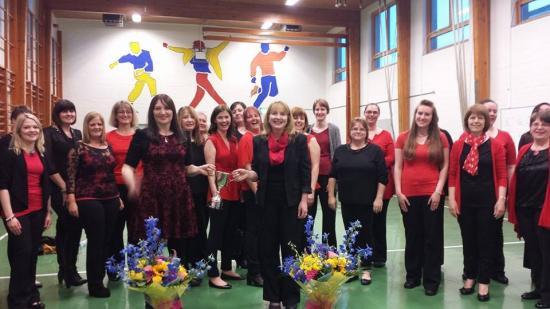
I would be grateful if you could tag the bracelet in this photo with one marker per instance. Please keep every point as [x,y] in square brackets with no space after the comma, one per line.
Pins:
[10,218]
[438,193]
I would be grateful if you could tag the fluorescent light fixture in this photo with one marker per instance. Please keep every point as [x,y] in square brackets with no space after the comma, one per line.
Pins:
[136,18]
[267,25]
[291,2]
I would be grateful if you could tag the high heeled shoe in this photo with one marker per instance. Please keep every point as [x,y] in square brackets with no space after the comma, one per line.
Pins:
[467,291]
[37,305]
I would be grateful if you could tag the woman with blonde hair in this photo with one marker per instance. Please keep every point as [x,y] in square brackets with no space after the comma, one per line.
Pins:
[281,166]
[25,197]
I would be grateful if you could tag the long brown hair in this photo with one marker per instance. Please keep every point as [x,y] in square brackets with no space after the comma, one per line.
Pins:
[194,135]
[435,146]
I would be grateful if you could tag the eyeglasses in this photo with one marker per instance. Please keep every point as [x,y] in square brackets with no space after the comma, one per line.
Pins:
[123,112]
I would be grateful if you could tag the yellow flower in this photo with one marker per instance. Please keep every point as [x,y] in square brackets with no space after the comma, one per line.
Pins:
[342,262]
[333,262]
[157,279]
[160,268]
[141,263]
[135,276]
[182,273]
[311,262]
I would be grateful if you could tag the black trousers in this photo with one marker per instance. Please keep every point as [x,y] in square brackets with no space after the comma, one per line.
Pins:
[223,228]
[253,227]
[329,214]
[424,241]
[22,256]
[537,246]
[478,228]
[68,230]
[379,243]
[498,254]
[279,226]
[363,213]
[117,238]
[98,218]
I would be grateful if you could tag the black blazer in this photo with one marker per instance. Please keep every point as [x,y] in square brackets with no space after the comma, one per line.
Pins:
[13,177]
[297,168]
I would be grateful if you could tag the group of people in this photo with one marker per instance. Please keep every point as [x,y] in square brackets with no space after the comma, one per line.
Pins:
[276,168]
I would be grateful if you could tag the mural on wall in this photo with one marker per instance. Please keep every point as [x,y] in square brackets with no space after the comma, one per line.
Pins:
[268,82]
[202,59]
[143,67]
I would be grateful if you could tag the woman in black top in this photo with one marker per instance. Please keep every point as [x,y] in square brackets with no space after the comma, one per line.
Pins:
[529,206]
[477,192]
[527,138]
[360,170]
[60,138]
[24,195]
[281,167]
[92,196]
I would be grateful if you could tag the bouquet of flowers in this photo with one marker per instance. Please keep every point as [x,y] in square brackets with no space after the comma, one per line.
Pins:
[321,269]
[161,278]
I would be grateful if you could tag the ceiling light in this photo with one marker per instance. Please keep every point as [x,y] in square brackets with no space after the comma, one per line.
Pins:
[267,25]
[136,18]
[291,2]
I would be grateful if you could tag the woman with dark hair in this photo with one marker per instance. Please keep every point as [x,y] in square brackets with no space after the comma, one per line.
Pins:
[60,138]
[281,167]
[164,192]
[253,124]
[92,196]
[237,111]
[360,170]
[384,140]
[124,119]
[328,138]
[221,150]
[477,194]
[421,163]
[24,196]
[528,206]
[527,138]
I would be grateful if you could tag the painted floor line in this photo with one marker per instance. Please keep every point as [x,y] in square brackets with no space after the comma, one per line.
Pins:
[3,236]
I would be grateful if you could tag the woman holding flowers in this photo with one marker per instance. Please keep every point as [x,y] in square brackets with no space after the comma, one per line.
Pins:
[281,167]
[360,171]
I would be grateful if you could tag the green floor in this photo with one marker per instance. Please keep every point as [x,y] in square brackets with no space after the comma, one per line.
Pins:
[386,291]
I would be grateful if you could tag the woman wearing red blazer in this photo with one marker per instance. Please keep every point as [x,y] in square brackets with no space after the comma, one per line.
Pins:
[477,193]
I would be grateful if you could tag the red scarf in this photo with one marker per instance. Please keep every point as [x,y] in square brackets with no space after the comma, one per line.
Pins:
[277,148]
[472,160]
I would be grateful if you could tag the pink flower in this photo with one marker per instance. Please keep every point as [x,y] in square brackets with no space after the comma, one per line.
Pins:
[332,254]
[310,275]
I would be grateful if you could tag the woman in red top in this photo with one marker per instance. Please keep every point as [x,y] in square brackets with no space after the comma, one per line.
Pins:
[477,192]
[421,163]
[24,196]
[253,124]
[383,139]
[505,139]
[529,206]
[124,119]
[221,150]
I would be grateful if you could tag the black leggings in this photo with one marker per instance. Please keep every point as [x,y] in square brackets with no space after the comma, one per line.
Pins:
[364,214]
[117,238]
[379,243]
[223,228]
[329,214]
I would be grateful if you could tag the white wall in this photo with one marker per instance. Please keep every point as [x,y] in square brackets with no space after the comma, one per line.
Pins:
[89,47]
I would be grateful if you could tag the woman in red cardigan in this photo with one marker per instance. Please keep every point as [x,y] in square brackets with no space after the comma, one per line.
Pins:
[529,208]
[477,193]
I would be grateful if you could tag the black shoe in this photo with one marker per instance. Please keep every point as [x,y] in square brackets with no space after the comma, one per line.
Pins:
[294,306]
[195,282]
[351,279]
[223,287]
[75,280]
[530,295]
[542,305]
[430,292]
[379,264]
[60,277]
[366,281]
[37,305]
[483,298]
[273,305]
[464,277]
[98,291]
[466,291]
[411,284]
[38,284]
[256,280]
[230,277]
[500,278]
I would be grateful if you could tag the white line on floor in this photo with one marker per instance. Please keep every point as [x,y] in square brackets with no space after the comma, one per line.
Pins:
[3,236]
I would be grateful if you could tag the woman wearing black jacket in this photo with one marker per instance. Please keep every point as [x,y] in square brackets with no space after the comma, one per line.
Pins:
[24,195]
[282,169]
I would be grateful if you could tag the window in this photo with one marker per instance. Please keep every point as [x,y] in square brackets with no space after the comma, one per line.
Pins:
[531,9]
[385,37]
[3,15]
[32,44]
[440,18]
[340,70]
[53,86]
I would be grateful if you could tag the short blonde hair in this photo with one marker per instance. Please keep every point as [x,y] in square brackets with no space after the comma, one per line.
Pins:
[113,121]
[86,131]
[16,141]
[278,105]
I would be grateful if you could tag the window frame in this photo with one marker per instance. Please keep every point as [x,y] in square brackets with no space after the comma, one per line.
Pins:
[340,70]
[376,55]
[4,35]
[517,9]
[433,34]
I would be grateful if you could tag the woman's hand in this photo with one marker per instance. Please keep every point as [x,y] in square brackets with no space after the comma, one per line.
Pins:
[433,202]
[302,209]
[121,206]
[332,202]
[48,220]
[207,169]
[14,226]
[453,208]
[310,198]
[403,202]
[500,208]
[73,209]
[240,174]
[377,205]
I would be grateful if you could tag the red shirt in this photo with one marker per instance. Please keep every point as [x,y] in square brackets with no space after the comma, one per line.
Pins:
[385,141]
[120,144]
[323,140]
[419,176]
[226,161]
[35,168]
[244,154]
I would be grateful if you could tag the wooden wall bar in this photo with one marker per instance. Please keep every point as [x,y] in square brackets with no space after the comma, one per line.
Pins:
[481,19]
[403,62]
[353,68]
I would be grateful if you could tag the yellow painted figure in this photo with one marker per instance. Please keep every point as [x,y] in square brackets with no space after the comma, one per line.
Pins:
[143,66]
